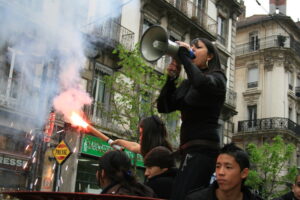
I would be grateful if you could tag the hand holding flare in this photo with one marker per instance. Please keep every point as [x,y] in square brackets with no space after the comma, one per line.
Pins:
[78,121]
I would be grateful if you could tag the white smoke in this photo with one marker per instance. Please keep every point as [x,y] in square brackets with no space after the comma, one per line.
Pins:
[46,39]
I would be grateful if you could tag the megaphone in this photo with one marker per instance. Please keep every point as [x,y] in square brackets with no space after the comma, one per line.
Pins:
[155,43]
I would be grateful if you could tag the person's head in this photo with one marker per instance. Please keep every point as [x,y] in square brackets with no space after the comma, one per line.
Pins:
[114,166]
[157,161]
[232,167]
[153,133]
[296,187]
[206,54]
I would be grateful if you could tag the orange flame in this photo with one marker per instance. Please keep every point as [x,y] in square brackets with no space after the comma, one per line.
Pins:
[77,120]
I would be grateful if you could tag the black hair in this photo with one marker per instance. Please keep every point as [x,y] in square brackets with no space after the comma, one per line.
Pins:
[161,157]
[154,134]
[296,178]
[214,63]
[240,156]
[118,169]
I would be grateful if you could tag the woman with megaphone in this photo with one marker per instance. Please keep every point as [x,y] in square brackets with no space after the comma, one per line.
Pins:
[199,98]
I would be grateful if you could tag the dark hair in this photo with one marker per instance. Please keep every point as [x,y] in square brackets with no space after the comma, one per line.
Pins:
[154,134]
[214,63]
[296,178]
[240,156]
[159,156]
[118,169]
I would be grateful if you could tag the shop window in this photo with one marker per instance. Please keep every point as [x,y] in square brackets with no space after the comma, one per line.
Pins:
[13,180]
[86,180]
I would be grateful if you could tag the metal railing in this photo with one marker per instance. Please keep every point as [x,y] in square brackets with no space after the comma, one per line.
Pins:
[268,42]
[264,124]
[103,116]
[196,14]
[112,33]
[230,97]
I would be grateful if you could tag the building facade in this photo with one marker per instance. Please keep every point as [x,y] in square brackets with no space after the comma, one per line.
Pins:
[267,79]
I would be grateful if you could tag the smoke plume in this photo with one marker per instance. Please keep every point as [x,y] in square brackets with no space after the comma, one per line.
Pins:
[42,47]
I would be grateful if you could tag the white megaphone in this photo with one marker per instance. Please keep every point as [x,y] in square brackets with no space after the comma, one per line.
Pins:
[155,43]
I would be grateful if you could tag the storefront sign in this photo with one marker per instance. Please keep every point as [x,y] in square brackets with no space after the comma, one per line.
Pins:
[61,152]
[10,162]
[96,147]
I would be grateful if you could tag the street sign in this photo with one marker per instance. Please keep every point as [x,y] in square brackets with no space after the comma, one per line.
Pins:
[61,152]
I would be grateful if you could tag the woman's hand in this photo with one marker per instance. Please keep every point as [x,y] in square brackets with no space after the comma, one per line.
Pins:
[174,68]
[183,44]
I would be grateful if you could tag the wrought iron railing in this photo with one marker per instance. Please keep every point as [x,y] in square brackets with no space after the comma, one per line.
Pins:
[102,116]
[230,97]
[195,13]
[264,124]
[111,32]
[268,42]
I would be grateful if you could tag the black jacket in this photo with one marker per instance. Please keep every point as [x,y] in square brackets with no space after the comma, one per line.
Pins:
[199,98]
[210,194]
[287,196]
[162,183]
[137,190]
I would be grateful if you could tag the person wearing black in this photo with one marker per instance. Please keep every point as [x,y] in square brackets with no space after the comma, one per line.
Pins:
[115,176]
[232,169]
[294,194]
[152,132]
[199,99]
[160,171]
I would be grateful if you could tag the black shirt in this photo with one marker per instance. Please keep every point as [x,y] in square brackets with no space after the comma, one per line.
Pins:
[162,184]
[199,98]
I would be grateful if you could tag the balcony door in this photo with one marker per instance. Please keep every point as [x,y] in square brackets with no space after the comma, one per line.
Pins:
[100,92]
[253,41]
[252,116]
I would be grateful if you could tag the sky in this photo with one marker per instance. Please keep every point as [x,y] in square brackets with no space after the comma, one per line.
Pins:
[253,8]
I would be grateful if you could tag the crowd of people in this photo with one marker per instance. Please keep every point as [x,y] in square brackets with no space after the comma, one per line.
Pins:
[199,99]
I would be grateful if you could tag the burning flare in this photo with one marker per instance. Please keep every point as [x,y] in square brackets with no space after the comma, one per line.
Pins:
[77,120]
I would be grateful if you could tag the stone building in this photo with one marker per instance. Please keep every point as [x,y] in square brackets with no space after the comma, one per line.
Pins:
[267,78]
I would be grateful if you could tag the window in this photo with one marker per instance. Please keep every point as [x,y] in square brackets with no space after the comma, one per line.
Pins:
[222,30]
[10,71]
[146,25]
[98,92]
[291,80]
[252,77]
[252,115]
[253,41]
[297,88]
[290,113]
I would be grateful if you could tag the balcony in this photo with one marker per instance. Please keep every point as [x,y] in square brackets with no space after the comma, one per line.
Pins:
[196,14]
[269,124]
[101,116]
[230,98]
[110,34]
[275,41]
